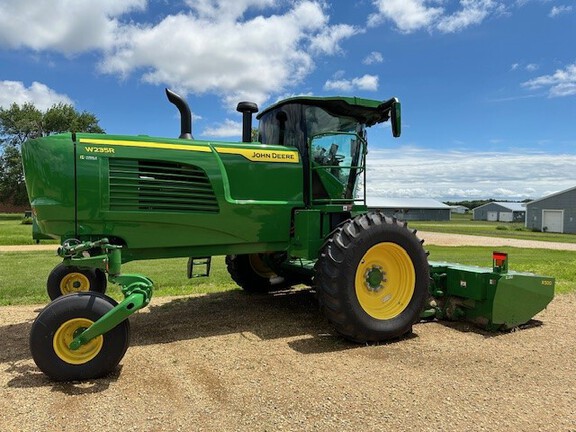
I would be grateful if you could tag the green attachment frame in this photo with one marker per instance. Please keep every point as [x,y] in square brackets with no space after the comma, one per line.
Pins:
[109,260]
[137,289]
[495,299]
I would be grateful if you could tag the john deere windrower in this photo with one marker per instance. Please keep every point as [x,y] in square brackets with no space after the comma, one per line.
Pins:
[288,208]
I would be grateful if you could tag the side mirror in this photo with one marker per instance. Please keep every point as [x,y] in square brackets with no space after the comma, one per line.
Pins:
[396,118]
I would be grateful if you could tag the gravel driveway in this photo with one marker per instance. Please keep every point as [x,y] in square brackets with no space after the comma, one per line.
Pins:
[444,239]
[230,361]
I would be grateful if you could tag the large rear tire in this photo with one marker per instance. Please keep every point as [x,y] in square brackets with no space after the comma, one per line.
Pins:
[372,278]
[252,273]
[62,320]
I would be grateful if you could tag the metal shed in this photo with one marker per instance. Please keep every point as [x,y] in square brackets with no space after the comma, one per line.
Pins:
[411,208]
[553,213]
[500,211]
[459,209]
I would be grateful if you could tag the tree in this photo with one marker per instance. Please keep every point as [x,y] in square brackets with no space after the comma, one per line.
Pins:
[20,123]
[12,186]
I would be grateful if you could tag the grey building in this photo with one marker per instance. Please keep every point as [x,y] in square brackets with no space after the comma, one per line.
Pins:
[459,209]
[500,211]
[553,213]
[411,208]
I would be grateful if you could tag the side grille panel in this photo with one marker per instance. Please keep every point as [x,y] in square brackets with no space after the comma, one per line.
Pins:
[143,185]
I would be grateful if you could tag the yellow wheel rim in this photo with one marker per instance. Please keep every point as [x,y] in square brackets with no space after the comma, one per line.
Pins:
[74,282]
[66,334]
[385,280]
[260,267]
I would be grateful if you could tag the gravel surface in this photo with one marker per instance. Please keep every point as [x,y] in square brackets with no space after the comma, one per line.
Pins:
[28,248]
[444,239]
[230,361]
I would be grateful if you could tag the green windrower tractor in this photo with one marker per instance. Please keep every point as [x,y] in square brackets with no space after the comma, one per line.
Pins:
[289,209]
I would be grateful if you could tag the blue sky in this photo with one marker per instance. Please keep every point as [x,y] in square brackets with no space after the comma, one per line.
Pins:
[488,87]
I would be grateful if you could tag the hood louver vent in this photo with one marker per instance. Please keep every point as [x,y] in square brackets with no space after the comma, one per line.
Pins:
[142,185]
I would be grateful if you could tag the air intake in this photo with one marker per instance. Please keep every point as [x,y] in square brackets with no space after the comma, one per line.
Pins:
[143,185]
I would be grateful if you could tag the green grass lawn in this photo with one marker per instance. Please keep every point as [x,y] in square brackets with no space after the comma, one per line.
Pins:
[463,224]
[23,274]
[23,277]
[13,232]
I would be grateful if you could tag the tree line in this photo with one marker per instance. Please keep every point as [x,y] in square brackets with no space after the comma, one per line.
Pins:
[19,123]
[472,204]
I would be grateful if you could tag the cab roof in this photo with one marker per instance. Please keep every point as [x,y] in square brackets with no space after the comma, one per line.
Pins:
[365,111]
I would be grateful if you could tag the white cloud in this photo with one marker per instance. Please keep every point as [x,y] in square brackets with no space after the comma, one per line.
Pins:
[373,58]
[560,83]
[60,25]
[229,128]
[414,172]
[559,10]
[240,50]
[365,82]
[408,15]
[222,54]
[328,40]
[530,67]
[472,12]
[412,15]
[38,94]
[226,10]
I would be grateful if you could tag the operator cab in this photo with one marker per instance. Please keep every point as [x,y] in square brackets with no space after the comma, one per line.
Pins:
[330,135]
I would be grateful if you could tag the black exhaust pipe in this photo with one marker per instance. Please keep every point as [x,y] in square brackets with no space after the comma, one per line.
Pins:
[247,109]
[185,114]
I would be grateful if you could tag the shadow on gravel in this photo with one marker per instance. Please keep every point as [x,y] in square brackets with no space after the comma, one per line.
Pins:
[281,314]
[290,313]
[465,327]
[29,376]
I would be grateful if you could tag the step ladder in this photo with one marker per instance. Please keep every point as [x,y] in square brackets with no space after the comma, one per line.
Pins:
[199,267]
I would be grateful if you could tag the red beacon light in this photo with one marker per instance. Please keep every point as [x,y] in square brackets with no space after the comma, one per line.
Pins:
[500,262]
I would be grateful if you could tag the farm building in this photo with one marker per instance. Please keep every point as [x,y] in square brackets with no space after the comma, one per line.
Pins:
[411,208]
[553,213]
[459,209]
[500,211]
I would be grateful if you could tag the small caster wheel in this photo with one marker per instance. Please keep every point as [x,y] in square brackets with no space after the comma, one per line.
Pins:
[69,279]
[60,322]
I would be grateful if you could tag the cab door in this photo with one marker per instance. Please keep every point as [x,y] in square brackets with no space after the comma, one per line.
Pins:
[336,163]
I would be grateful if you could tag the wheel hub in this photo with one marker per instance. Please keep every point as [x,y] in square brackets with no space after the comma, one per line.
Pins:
[74,282]
[64,336]
[385,281]
[374,278]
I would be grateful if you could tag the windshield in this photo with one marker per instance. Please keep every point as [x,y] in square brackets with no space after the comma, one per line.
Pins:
[337,159]
[293,124]
[328,145]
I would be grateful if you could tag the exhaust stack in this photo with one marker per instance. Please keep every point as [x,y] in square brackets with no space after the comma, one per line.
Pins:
[247,109]
[185,114]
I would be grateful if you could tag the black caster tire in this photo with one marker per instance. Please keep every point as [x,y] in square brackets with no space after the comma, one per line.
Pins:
[69,279]
[57,325]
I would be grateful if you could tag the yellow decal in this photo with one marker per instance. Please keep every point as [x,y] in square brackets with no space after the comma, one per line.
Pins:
[145,144]
[258,155]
